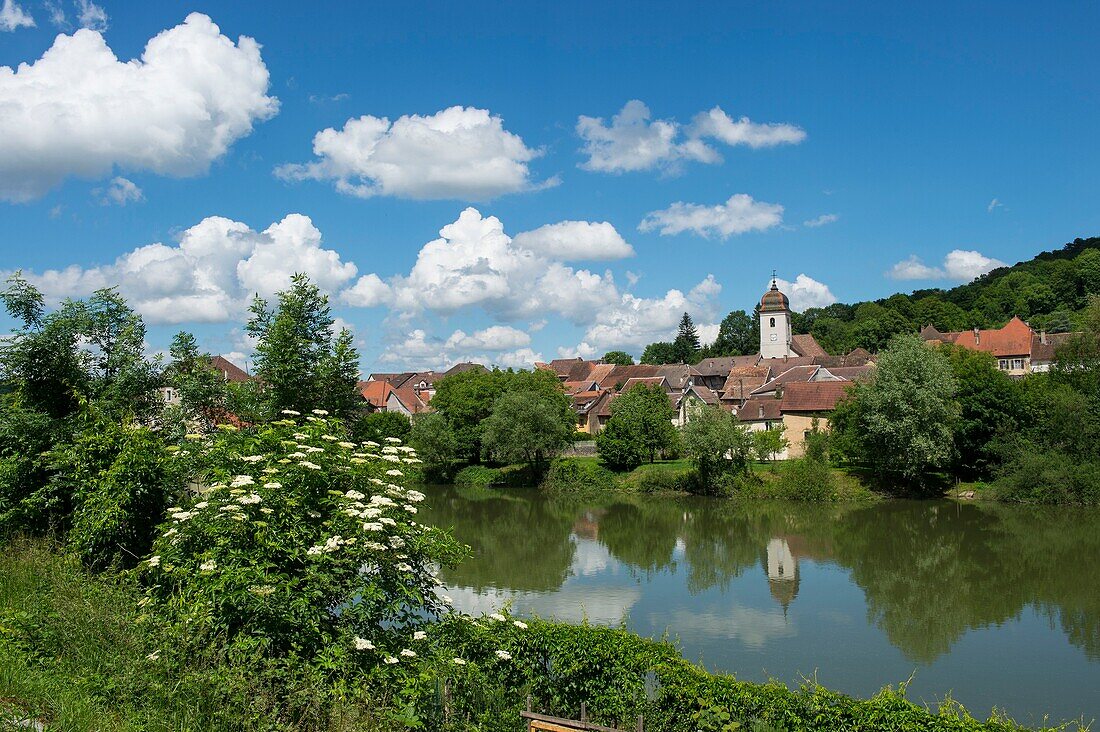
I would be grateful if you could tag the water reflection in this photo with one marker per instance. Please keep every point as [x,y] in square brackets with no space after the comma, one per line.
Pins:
[974,595]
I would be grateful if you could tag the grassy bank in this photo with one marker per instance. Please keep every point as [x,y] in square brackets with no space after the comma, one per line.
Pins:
[74,654]
[792,480]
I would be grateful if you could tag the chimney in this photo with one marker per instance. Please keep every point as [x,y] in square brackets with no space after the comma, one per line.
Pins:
[977,336]
[1043,337]
[761,411]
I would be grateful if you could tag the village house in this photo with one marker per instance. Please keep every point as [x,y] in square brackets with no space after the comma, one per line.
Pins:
[757,387]
[1019,350]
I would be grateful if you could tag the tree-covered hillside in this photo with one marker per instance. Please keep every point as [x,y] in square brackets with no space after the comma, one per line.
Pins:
[1049,291]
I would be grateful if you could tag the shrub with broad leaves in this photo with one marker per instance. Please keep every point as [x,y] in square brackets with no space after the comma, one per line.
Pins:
[297,545]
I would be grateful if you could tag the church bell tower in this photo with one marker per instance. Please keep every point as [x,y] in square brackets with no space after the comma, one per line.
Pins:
[775,323]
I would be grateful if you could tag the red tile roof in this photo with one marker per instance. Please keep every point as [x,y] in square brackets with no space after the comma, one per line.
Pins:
[648,380]
[409,398]
[375,392]
[791,375]
[742,380]
[806,345]
[229,370]
[763,408]
[1014,339]
[814,396]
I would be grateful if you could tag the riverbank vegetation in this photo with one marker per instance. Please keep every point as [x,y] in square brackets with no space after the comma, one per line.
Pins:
[193,568]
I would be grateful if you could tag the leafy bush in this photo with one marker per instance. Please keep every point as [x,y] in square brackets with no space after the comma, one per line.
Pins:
[658,479]
[120,479]
[298,547]
[378,426]
[618,447]
[27,502]
[577,476]
[1049,476]
[436,445]
[478,475]
[718,446]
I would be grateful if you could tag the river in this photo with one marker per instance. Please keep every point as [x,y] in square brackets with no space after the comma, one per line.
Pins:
[996,606]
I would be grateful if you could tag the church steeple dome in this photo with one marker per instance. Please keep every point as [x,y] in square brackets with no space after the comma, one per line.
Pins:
[774,301]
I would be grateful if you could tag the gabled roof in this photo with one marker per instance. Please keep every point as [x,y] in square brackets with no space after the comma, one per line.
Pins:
[409,400]
[1044,352]
[648,380]
[707,395]
[722,365]
[375,392]
[790,376]
[229,370]
[1012,340]
[459,368]
[814,396]
[394,379]
[763,408]
[574,387]
[584,401]
[853,373]
[778,365]
[742,380]
[428,378]
[806,345]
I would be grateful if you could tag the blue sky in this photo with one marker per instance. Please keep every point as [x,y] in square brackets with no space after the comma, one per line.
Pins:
[960,137]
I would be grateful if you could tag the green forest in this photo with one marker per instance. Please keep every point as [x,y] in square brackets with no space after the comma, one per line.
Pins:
[1049,291]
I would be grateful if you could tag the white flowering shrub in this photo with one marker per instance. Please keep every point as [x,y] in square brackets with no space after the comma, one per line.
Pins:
[297,544]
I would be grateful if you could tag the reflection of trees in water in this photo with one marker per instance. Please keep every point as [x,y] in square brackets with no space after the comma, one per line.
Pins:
[724,538]
[933,571]
[930,571]
[518,542]
[642,534]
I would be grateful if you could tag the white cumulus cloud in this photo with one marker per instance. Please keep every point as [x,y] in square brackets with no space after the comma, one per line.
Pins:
[80,111]
[13,16]
[633,142]
[821,220]
[960,265]
[720,126]
[120,191]
[806,292]
[458,153]
[211,273]
[738,215]
[493,338]
[91,16]
[495,346]
[573,240]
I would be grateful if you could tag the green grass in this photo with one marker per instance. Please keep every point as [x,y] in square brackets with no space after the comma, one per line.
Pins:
[74,655]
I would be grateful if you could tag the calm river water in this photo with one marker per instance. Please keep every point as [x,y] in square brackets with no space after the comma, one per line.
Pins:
[998,606]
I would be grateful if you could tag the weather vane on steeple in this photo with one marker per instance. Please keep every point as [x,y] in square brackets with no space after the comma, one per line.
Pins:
[775,285]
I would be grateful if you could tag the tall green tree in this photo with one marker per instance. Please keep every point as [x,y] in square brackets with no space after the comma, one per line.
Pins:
[738,335]
[529,426]
[661,352]
[718,446]
[642,417]
[901,423]
[85,350]
[302,364]
[202,390]
[619,358]
[989,406]
[687,340]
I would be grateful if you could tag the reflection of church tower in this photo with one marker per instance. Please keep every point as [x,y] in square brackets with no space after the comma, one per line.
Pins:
[782,572]
[775,323]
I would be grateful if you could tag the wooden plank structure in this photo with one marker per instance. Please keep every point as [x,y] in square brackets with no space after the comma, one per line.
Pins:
[545,723]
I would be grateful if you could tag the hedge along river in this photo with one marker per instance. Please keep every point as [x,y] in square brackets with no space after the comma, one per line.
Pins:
[997,606]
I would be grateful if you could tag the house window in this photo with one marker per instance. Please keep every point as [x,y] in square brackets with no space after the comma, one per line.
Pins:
[1017,364]
[1002,364]
[771,322]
